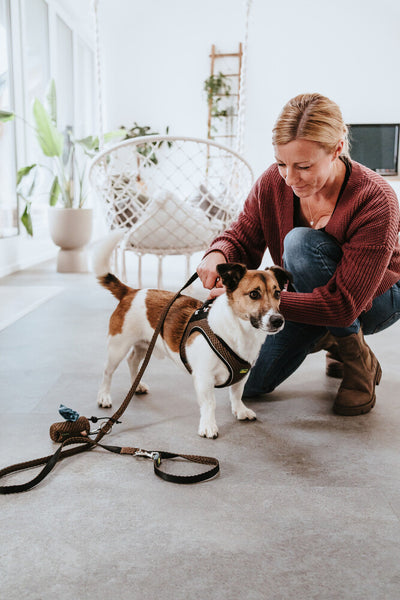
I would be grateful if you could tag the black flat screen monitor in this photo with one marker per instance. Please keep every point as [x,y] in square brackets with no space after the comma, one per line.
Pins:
[376,146]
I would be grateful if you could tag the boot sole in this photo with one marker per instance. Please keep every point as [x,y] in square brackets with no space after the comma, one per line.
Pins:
[353,411]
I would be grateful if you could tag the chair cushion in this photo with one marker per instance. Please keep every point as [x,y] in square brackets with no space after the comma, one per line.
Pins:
[169,222]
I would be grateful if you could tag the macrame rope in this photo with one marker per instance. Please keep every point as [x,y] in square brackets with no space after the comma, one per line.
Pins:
[95,7]
[242,88]
[232,181]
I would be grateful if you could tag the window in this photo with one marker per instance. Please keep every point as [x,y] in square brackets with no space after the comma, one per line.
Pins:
[39,41]
[36,63]
[85,117]
[65,75]
[8,197]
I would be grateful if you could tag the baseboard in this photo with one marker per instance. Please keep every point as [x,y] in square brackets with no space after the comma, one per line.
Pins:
[27,263]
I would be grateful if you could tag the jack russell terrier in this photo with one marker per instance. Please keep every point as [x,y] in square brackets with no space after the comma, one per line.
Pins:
[241,318]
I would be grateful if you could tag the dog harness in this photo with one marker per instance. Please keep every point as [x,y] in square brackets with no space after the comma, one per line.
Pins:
[237,367]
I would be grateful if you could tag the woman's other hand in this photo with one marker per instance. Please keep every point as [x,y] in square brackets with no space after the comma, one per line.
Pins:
[216,291]
[207,270]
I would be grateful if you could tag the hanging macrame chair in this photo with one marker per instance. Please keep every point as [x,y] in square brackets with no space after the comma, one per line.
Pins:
[171,194]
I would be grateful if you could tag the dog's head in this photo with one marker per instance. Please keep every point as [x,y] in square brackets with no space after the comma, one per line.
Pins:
[254,295]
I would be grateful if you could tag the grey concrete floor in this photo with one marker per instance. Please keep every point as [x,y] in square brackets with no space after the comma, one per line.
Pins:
[307,504]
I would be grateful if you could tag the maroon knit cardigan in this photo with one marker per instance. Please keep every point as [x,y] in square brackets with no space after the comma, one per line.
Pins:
[365,223]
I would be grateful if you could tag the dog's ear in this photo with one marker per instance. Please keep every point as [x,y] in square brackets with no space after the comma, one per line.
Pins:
[231,274]
[283,277]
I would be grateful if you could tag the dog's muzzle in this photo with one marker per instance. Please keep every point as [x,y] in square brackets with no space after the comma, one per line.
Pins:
[276,323]
[271,324]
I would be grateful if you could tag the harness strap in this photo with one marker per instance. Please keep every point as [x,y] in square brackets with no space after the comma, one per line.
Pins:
[85,444]
[237,366]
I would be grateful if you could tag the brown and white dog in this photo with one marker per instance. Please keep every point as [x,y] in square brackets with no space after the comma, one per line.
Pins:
[242,318]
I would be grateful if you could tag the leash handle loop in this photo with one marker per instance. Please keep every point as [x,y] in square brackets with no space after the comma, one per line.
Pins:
[49,463]
[85,444]
[172,478]
[157,457]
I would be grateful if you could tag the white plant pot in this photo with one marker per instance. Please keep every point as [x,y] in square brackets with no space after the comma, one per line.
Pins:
[71,230]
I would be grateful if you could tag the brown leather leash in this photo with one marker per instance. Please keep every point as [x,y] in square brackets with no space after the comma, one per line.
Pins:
[83,443]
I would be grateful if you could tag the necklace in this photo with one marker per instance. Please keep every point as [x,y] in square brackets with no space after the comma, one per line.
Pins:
[311,215]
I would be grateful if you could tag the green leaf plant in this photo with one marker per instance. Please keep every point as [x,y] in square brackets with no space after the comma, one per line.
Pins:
[148,150]
[217,86]
[70,159]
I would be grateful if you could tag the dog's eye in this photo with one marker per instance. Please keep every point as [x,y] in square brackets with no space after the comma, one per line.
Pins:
[255,295]
[277,294]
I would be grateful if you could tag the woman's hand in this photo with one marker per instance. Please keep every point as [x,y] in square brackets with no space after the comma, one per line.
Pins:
[216,291]
[207,270]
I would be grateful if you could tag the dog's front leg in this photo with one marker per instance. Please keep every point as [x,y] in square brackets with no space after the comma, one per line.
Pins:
[206,399]
[239,410]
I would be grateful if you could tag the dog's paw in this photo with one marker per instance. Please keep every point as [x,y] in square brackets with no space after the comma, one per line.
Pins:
[244,413]
[104,400]
[208,431]
[142,388]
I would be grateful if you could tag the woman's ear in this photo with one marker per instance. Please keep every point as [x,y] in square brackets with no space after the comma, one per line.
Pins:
[339,149]
[231,274]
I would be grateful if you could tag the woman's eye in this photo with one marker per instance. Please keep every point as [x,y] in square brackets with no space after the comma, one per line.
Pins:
[303,168]
[277,294]
[255,295]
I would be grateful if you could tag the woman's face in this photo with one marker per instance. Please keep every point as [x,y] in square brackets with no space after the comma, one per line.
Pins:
[306,166]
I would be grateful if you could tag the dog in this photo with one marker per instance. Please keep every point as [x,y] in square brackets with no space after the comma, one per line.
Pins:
[242,317]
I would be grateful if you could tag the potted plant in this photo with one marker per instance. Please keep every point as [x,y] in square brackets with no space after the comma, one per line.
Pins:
[70,222]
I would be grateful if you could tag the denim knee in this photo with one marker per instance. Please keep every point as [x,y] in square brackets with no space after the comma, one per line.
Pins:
[311,256]
[298,251]
[295,241]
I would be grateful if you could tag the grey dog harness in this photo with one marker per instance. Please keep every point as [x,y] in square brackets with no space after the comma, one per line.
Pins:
[237,367]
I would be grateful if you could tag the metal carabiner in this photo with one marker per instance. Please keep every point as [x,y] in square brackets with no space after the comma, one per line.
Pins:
[155,456]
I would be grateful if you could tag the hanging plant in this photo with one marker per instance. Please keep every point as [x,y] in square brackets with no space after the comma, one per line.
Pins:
[217,87]
[146,150]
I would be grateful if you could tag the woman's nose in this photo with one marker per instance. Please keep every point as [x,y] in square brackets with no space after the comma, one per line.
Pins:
[291,177]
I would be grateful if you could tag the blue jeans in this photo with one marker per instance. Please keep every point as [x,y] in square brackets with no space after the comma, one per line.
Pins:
[312,257]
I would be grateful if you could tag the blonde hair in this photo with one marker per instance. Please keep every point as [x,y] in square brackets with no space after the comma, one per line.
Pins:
[311,117]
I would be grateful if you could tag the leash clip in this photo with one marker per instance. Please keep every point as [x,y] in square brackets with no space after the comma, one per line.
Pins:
[155,456]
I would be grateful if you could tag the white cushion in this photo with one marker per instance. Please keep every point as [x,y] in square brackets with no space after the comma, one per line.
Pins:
[171,222]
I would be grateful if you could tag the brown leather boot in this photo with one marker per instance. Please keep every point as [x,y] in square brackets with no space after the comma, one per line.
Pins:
[362,372]
[334,363]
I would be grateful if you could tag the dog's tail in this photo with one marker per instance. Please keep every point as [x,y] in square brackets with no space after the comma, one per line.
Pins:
[103,252]
[114,285]
[101,264]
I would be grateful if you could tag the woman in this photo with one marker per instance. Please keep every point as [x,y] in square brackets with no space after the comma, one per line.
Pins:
[334,225]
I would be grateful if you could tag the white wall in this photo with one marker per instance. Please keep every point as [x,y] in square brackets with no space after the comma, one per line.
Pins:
[156,58]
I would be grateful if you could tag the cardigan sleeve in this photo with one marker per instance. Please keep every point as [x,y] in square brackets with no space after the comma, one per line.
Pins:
[365,270]
[244,241]
[343,298]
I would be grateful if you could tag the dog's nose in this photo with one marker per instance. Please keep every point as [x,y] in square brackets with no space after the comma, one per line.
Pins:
[276,321]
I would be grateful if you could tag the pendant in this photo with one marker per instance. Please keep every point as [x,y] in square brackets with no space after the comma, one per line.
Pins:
[312,223]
